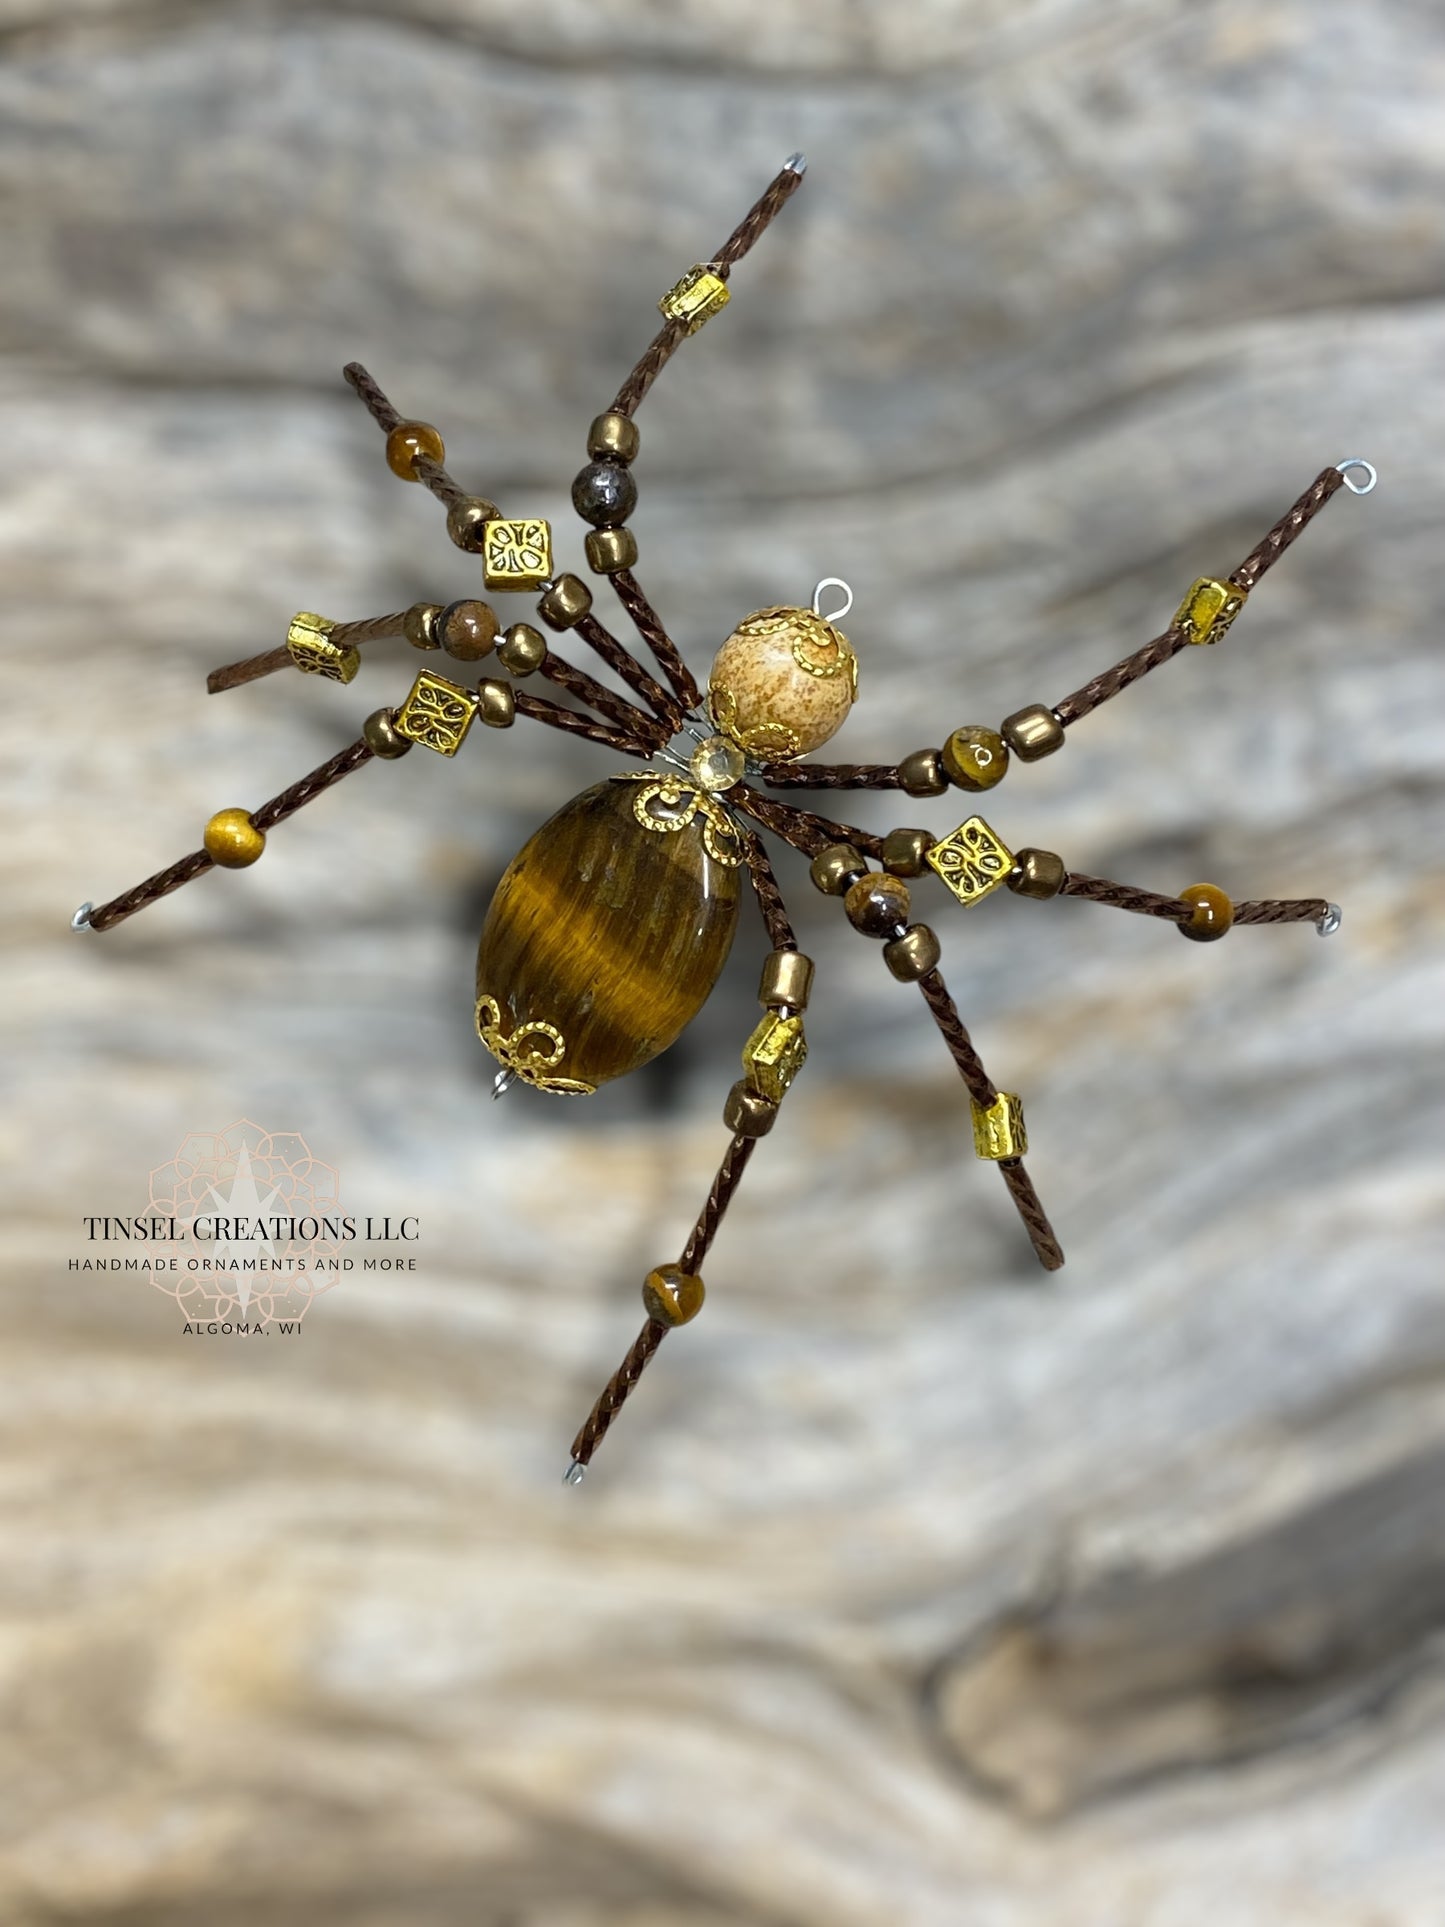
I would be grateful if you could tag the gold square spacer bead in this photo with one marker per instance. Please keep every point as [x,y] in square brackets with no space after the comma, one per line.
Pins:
[998,1132]
[308,640]
[437,713]
[971,860]
[696,298]
[1209,608]
[516,554]
[774,1054]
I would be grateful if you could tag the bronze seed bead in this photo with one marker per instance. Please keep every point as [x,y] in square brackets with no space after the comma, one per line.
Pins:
[787,980]
[905,852]
[232,840]
[613,438]
[912,955]
[419,625]
[383,738]
[604,494]
[877,904]
[975,758]
[467,521]
[408,440]
[468,630]
[923,774]
[833,870]
[609,550]
[523,649]
[747,1113]
[1032,732]
[1037,873]
[565,603]
[671,1295]
[1213,913]
[498,708]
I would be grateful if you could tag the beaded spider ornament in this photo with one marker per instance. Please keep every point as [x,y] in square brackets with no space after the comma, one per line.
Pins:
[609,929]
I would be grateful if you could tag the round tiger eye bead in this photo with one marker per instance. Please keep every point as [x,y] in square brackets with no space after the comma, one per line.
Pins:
[905,852]
[522,649]
[912,955]
[747,1112]
[467,630]
[1037,873]
[877,904]
[232,839]
[835,869]
[787,980]
[408,440]
[613,437]
[1213,913]
[382,736]
[565,603]
[419,625]
[605,494]
[498,707]
[609,550]
[975,758]
[1032,732]
[923,774]
[671,1296]
[467,521]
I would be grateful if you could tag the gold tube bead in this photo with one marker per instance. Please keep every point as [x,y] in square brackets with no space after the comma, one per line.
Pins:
[419,625]
[1032,732]
[1037,873]
[522,649]
[467,522]
[923,774]
[836,869]
[1208,608]
[232,840]
[998,1130]
[498,706]
[672,1296]
[914,954]
[382,736]
[613,438]
[747,1113]
[1213,913]
[610,550]
[787,980]
[565,603]
[696,298]
[905,852]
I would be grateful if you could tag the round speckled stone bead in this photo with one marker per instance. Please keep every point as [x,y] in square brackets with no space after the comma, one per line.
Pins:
[782,683]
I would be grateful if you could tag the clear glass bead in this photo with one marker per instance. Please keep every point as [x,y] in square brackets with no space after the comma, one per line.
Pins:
[717,764]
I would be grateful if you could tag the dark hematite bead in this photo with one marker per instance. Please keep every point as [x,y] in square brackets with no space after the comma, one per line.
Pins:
[604,494]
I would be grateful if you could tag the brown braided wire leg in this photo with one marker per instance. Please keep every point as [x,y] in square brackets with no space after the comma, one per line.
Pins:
[1123,896]
[252,668]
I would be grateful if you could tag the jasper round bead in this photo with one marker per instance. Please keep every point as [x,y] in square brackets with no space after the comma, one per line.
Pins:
[975,758]
[877,904]
[406,442]
[923,774]
[382,736]
[912,955]
[782,683]
[604,494]
[468,630]
[836,869]
[232,839]
[1213,913]
[671,1296]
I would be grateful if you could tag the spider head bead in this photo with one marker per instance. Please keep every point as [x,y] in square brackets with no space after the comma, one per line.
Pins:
[782,683]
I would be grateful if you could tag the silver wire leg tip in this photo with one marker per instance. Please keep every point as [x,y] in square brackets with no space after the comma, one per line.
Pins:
[502,1083]
[1330,922]
[81,919]
[576,1472]
[1358,461]
[796,164]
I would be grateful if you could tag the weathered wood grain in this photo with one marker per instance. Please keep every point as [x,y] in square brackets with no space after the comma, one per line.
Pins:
[911,1586]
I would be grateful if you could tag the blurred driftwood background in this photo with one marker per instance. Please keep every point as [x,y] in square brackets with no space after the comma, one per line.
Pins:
[913,1586]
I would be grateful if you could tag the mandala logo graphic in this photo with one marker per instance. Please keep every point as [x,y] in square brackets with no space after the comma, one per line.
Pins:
[253,1211]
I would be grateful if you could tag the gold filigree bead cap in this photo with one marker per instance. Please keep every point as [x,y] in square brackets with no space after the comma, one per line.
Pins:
[784,680]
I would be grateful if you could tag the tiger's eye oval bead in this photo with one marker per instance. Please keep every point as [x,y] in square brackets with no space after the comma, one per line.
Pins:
[408,440]
[523,649]
[905,852]
[835,868]
[604,494]
[467,630]
[419,625]
[467,521]
[1213,913]
[914,954]
[383,738]
[671,1296]
[975,758]
[877,904]
[613,438]
[782,683]
[923,774]
[605,937]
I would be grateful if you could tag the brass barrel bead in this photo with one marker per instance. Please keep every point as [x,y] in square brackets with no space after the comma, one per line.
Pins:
[613,438]
[877,904]
[498,705]
[747,1113]
[468,629]
[604,494]
[787,980]
[419,625]
[1032,732]
[905,852]
[565,603]
[1037,873]
[232,839]
[999,1131]
[467,521]
[835,869]
[609,550]
[382,736]
[914,954]
[975,758]
[1213,913]
[672,1296]
[923,774]
[522,649]
[406,442]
